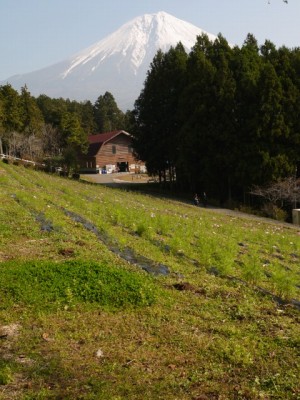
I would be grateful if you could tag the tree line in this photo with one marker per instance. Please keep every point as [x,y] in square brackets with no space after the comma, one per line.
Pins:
[53,131]
[221,118]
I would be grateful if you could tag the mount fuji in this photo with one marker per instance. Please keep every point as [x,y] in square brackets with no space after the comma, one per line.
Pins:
[117,64]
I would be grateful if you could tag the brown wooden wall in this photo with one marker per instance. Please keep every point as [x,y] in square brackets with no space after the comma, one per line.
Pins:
[122,154]
[106,156]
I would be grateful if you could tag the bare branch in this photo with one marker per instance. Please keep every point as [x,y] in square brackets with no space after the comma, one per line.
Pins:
[286,190]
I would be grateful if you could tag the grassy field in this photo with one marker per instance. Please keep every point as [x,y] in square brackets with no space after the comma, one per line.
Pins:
[109,294]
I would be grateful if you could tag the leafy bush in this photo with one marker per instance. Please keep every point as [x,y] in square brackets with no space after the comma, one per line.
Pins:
[248,210]
[45,285]
[272,211]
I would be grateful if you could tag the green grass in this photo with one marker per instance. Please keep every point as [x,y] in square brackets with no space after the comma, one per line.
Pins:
[64,284]
[80,319]
[5,373]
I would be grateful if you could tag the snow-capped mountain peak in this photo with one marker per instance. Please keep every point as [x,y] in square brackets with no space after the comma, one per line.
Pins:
[117,63]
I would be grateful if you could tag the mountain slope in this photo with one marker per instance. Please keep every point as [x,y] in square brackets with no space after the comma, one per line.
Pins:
[117,63]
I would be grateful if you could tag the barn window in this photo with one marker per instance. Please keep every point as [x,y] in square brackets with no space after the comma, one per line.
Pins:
[114,150]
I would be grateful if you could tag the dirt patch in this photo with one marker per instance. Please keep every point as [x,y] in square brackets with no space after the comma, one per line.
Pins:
[67,252]
[186,286]
[9,331]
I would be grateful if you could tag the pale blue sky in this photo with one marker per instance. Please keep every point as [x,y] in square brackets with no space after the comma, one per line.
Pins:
[37,33]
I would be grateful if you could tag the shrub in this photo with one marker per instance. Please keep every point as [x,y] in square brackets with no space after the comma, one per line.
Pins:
[76,176]
[248,210]
[272,211]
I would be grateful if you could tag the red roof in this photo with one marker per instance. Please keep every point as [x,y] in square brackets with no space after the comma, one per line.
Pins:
[101,138]
[96,141]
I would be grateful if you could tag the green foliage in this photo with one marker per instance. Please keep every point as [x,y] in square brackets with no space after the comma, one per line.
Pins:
[252,271]
[49,128]
[6,376]
[108,117]
[273,211]
[232,122]
[59,285]
[284,285]
[32,119]
[11,109]
[141,229]
[75,140]
[156,139]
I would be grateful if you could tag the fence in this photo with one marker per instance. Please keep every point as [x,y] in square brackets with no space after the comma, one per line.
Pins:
[21,160]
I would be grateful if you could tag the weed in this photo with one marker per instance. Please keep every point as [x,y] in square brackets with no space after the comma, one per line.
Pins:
[6,376]
[141,229]
[252,270]
[284,285]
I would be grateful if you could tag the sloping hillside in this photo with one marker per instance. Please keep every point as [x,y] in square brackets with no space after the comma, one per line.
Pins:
[108,294]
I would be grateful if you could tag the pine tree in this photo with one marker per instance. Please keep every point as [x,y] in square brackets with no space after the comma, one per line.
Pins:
[246,70]
[86,112]
[223,143]
[157,137]
[75,140]
[32,118]
[272,131]
[108,117]
[52,109]
[197,112]
[2,132]
[11,109]
[149,115]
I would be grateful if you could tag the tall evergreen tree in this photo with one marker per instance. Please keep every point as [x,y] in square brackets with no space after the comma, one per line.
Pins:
[75,139]
[108,117]
[86,113]
[223,144]
[2,132]
[175,79]
[246,69]
[148,108]
[288,74]
[272,131]
[12,116]
[197,111]
[32,118]
[156,139]
[52,109]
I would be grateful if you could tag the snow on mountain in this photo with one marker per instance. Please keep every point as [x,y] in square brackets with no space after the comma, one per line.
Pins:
[117,63]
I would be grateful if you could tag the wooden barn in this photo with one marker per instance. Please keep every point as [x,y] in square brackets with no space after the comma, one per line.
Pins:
[110,152]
